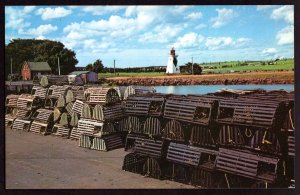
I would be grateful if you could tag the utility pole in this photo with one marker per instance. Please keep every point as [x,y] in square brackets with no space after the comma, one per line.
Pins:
[114,67]
[58,66]
[10,65]
[192,67]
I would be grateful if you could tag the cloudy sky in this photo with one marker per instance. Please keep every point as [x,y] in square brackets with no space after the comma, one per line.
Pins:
[143,35]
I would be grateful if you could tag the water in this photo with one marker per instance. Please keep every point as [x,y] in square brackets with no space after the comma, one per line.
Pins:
[204,89]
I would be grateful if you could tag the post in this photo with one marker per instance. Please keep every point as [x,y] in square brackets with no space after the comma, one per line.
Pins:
[10,65]
[58,66]
[114,67]
[192,66]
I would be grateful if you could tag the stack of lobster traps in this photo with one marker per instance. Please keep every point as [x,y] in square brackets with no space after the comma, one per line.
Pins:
[99,118]
[230,140]
[19,110]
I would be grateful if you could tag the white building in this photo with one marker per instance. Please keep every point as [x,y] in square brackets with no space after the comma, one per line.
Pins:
[172,67]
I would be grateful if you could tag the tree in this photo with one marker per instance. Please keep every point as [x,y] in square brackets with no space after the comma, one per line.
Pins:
[20,50]
[197,69]
[98,66]
[89,67]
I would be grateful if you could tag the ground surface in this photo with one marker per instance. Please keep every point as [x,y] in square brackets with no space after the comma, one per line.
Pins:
[47,162]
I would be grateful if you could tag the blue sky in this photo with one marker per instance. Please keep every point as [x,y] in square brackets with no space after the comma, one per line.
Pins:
[143,35]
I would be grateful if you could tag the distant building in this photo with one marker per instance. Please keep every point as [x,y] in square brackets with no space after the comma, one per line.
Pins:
[86,76]
[172,67]
[80,68]
[32,69]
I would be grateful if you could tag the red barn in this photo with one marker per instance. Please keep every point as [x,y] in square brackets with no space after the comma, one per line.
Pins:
[31,69]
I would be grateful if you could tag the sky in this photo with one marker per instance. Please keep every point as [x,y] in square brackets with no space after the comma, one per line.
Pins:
[138,36]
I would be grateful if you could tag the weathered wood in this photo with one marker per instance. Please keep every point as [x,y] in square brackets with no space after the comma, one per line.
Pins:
[60,102]
[103,96]
[173,131]
[65,119]
[202,136]
[43,115]
[152,127]
[231,135]
[86,111]
[153,168]
[39,91]
[266,141]
[107,142]
[107,113]
[11,100]
[131,90]
[247,164]
[21,125]
[59,130]
[74,119]
[54,91]
[77,107]
[78,92]
[28,102]
[134,163]
[149,147]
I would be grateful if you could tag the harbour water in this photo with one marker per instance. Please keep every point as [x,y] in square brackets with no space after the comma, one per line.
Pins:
[204,89]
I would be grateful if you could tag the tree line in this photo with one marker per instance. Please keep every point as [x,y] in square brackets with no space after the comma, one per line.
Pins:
[20,50]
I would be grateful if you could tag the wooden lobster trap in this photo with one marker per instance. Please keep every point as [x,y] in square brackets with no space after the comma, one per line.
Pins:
[21,124]
[55,92]
[106,142]
[145,105]
[103,96]
[120,90]
[107,113]
[202,136]
[16,113]
[131,90]
[28,102]
[190,109]
[42,121]
[248,164]
[175,131]
[11,101]
[60,130]
[47,80]
[78,92]
[251,113]
[150,147]
[134,162]
[40,92]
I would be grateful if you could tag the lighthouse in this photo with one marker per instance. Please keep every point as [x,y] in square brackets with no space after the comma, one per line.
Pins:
[172,67]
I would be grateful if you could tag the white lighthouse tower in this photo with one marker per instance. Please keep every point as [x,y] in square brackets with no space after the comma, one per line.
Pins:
[172,67]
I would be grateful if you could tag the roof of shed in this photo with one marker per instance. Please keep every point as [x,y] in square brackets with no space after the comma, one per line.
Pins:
[79,72]
[39,66]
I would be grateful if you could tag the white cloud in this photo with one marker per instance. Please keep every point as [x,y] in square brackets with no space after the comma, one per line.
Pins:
[269,51]
[285,35]
[214,43]
[194,16]
[40,31]
[161,34]
[188,40]
[17,18]
[51,13]
[101,10]
[223,18]
[130,11]
[264,7]
[285,13]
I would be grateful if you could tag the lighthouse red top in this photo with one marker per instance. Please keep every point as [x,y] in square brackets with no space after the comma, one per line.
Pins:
[172,51]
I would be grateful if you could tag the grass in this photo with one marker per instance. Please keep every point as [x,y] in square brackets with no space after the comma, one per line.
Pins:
[252,66]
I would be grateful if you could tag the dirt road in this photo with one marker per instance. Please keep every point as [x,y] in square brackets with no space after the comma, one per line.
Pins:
[47,162]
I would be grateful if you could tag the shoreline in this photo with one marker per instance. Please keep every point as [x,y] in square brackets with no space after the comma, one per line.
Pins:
[269,78]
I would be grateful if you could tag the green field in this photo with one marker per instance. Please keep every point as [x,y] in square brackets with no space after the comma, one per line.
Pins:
[235,66]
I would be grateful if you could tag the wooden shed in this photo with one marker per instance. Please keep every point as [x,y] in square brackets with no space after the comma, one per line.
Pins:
[32,69]
[86,76]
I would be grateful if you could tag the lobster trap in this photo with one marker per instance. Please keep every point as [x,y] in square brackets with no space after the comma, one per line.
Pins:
[42,122]
[131,90]
[103,96]
[107,113]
